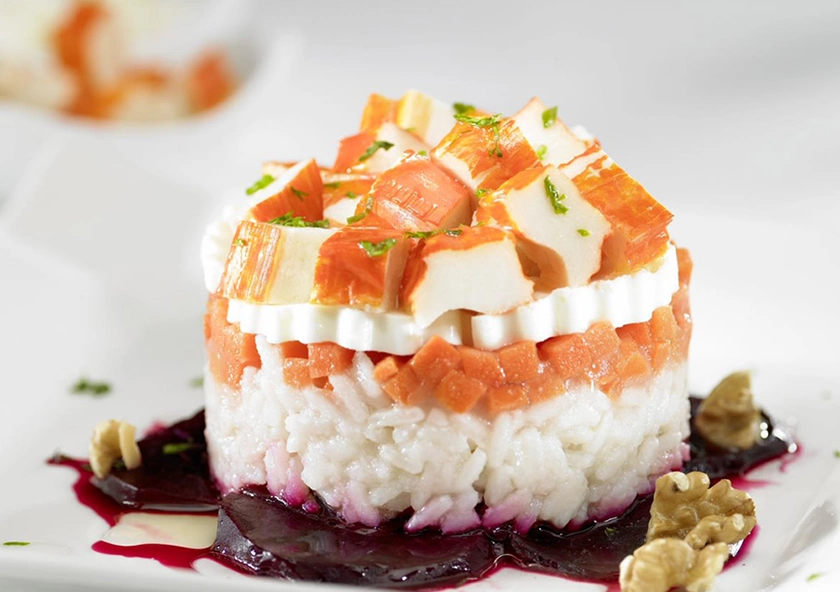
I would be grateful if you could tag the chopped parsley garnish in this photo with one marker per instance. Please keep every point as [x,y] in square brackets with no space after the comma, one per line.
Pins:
[583,231]
[91,387]
[374,147]
[378,249]
[333,185]
[555,197]
[549,116]
[298,222]
[240,242]
[541,150]
[610,530]
[481,192]
[362,215]
[491,123]
[263,181]
[813,577]
[178,447]
[15,544]
[463,108]
[197,382]
[298,193]
[837,454]
[351,195]
[423,153]
[431,233]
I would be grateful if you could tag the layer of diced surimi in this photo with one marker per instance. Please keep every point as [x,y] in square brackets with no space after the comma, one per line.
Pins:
[271,264]
[557,229]
[418,195]
[297,191]
[376,151]
[639,222]
[474,268]
[229,350]
[485,154]
[547,134]
[360,266]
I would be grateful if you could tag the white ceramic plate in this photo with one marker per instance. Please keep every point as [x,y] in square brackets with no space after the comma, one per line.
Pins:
[99,276]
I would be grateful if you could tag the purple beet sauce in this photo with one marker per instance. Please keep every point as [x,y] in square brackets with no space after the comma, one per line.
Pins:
[261,535]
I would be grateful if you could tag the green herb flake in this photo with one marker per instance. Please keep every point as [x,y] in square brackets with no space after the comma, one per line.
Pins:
[481,192]
[463,108]
[298,193]
[423,153]
[263,181]
[541,150]
[431,233]
[298,222]
[491,123]
[378,249]
[362,215]
[374,147]
[610,530]
[240,242]
[178,447]
[15,544]
[549,116]
[583,231]
[837,454]
[197,382]
[91,387]
[555,197]
[333,185]
[813,577]
[351,195]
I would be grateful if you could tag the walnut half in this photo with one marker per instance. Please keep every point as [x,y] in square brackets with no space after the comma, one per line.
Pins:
[690,528]
[729,417]
[112,440]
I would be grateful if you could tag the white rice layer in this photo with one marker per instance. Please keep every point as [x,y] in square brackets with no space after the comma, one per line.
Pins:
[576,457]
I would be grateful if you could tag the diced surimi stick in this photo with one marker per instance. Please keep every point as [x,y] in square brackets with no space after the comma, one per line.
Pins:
[418,195]
[271,264]
[90,45]
[378,110]
[376,152]
[360,266]
[639,222]
[486,153]
[425,116]
[209,80]
[298,190]
[342,194]
[478,270]
[557,229]
[548,135]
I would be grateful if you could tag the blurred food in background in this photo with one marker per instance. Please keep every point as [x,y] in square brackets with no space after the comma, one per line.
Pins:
[75,57]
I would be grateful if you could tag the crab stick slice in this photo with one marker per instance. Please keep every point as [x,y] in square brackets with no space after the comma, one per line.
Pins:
[374,152]
[478,270]
[425,116]
[485,152]
[558,229]
[378,110]
[547,134]
[639,222]
[271,264]
[298,190]
[418,195]
[362,267]
[342,195]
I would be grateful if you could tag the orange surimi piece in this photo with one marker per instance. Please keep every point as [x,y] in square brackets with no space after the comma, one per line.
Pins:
[360,266]
[459,392]
[294,349]
[417,195]
[520,361]
[298,192]
[326,359]
[210,80]
[603,344]
[482,365]
[568,355]
[545,386]
[640,334]
[404,386]
[296,372]
[386,368]
[639,222]
[350,149]
[434,360]
[632,364]
[338,187]
[378,110]
[507,397]
[229,351]
[487,156]
[270,264]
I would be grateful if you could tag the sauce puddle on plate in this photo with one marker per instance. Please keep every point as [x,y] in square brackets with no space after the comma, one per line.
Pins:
[259,534]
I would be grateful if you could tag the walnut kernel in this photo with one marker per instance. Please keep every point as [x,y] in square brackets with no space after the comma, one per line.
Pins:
[729,417]
[663,564]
